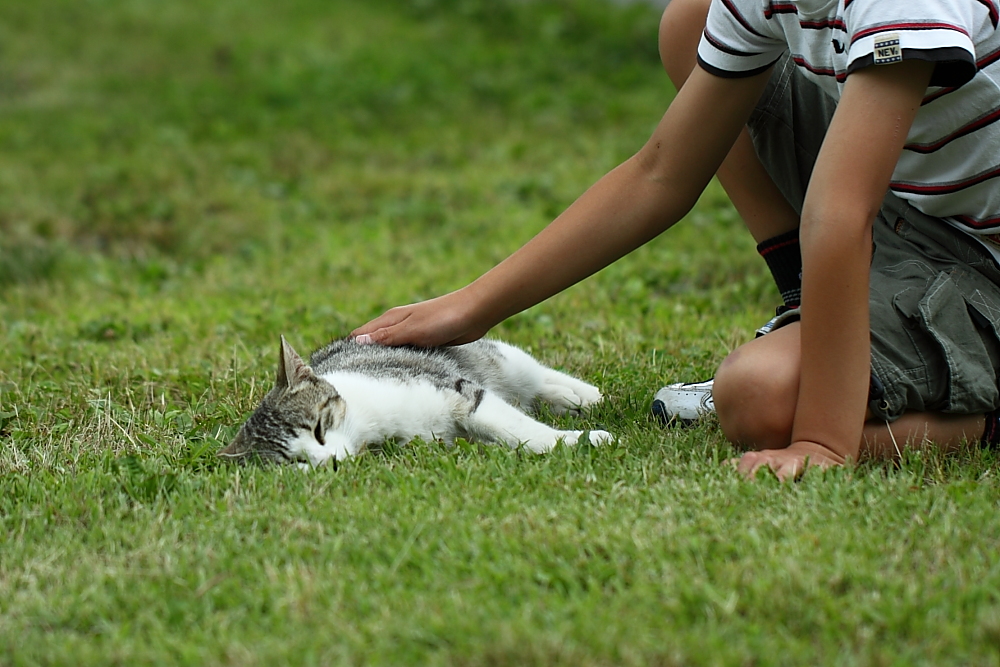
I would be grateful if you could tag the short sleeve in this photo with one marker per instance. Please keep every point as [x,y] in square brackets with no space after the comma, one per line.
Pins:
[937,31]
[737,41]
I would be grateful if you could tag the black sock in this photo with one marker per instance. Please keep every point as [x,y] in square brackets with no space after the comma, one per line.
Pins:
[784,258]
[991,432]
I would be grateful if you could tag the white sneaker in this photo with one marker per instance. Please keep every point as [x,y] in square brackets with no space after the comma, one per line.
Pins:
[685,403]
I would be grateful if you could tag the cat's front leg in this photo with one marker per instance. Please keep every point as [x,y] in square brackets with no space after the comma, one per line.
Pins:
[498,421]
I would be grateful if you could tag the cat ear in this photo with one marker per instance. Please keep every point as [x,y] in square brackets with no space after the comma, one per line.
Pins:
[291,368]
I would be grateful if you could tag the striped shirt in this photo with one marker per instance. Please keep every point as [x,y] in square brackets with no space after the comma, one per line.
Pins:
[950,165]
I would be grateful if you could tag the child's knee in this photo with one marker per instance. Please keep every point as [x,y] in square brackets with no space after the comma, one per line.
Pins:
[680,30]
[755,398]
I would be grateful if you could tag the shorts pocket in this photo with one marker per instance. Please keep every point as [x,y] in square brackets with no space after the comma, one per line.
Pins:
[953,344]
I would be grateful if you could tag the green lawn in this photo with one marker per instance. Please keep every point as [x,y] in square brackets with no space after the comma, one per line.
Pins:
[182,182]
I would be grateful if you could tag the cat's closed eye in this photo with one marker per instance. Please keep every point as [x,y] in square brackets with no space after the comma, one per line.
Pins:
[318,432]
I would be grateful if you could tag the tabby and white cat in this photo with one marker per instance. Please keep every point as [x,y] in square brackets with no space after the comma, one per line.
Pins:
[351,395]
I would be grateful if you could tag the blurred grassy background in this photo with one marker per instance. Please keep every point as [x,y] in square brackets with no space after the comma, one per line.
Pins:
[190,128]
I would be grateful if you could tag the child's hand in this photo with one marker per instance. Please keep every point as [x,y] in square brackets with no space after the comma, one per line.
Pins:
[446,320]
[788,464]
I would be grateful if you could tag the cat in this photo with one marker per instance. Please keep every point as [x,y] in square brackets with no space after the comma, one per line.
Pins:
[352,395]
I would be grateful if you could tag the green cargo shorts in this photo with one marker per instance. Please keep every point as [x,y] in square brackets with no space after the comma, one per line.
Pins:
[935,292]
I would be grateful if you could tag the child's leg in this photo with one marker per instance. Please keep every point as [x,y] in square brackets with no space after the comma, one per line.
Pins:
[756,390]
[913,430]
[764,207]
[758,200]
[768,168]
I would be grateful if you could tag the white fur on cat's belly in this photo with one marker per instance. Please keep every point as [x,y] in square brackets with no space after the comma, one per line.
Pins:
[378,409]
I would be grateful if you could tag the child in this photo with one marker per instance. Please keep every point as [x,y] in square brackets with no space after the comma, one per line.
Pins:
[862,132]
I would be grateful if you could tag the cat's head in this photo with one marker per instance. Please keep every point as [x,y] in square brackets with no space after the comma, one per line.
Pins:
[293,421]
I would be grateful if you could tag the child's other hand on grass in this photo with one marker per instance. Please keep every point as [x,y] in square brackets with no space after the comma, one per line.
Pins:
[445,320]
[788,464]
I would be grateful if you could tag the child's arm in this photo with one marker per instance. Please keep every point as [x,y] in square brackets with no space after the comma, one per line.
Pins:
[845,193]
[630,205]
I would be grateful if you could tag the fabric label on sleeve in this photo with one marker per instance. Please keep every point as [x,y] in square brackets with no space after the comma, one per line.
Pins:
[887,49]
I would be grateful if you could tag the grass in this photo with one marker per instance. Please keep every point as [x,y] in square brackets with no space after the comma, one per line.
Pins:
[180,183]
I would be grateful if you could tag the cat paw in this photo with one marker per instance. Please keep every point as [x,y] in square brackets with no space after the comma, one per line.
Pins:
[567,394]
[599,437]
[571,438]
